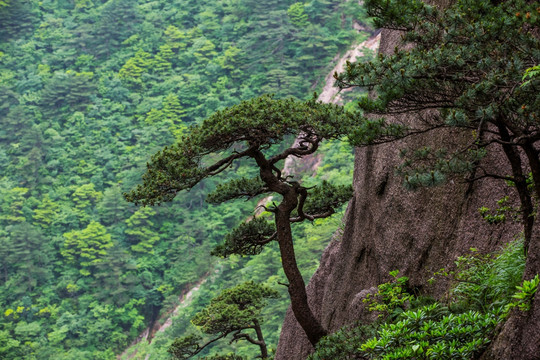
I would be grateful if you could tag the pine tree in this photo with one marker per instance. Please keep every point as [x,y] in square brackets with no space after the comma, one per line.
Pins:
[12,205]
[248,130]
[69,89]
[173,113]
[161,65]
[28,255]
[116,24]
[203,49]
[114,278]
[135,67]
[172,108]
[85,198]
[175,38]
[233,311]
[165,51]
[87,247]
[297,15]
[139,230]
[467,62]
[154,117]
[45,212]
[112,208]
[17,19]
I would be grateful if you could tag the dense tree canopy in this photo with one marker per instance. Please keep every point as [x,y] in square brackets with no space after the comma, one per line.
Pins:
[87,90]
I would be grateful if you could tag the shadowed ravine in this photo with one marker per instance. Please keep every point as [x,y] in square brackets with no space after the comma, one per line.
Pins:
[160,326]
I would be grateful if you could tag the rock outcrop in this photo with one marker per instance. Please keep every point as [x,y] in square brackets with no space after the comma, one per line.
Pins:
[418,232]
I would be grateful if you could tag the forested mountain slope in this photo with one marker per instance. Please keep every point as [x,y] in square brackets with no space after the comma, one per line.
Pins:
[88,89]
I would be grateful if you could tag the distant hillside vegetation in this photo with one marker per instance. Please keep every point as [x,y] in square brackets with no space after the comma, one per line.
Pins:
[88,90]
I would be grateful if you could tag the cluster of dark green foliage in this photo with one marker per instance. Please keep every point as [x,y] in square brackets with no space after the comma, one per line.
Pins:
[486,288]
[236,312]
[238,132]
[462,68]
[88,89]
[432,333]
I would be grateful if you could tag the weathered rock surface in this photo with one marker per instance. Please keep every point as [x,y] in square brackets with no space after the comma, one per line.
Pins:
[520,335]
[388,228]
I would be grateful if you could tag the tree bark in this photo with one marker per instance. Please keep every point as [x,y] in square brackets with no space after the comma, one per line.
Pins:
[520,182]
[534,163]
[260,338]
[297,288]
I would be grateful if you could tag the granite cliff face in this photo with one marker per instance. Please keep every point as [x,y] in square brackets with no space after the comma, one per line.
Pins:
[388,227]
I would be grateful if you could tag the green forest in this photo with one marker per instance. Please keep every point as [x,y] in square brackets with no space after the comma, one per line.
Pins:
[89,90]
[126,126]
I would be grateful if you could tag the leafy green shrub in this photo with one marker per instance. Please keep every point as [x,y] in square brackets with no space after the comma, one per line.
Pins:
[432,333]
[391,298]
[483,294]
[525,294]
[499,215]
[343,344]
[486,282]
